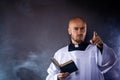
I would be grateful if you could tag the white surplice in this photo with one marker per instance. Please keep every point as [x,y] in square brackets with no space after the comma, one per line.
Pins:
[91,63]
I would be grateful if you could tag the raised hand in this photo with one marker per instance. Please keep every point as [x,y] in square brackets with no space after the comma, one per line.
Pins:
[96,40]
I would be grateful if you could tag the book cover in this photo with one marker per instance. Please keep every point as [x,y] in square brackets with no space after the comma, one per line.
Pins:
[68,66]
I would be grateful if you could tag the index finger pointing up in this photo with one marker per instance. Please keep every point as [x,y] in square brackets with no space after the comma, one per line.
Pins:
[94,34]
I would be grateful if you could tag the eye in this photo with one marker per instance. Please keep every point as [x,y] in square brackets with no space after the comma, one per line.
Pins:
[82,28]
[75,28]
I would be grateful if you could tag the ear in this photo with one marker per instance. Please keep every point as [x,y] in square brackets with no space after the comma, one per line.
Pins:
[69,31]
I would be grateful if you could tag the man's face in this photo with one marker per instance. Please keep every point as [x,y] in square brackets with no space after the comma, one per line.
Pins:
[77,30]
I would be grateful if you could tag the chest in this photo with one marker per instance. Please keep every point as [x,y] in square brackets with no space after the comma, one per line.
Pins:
[79,56]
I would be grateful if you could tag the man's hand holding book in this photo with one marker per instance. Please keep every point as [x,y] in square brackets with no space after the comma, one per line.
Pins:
[63,75]
[65,69]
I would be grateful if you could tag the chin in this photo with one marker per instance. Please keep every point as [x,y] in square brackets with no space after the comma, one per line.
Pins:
[79,41]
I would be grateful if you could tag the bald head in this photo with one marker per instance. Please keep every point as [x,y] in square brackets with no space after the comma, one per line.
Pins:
[77,20]
[77,29]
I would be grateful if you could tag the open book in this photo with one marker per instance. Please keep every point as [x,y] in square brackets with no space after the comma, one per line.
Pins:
[68,66]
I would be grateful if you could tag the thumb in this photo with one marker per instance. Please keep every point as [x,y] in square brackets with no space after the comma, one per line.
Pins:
[91,41]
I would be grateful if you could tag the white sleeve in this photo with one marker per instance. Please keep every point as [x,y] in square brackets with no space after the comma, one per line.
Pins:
[52,72]
[52,69]
[106,59]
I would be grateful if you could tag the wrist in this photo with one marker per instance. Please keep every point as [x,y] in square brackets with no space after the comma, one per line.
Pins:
[100,45]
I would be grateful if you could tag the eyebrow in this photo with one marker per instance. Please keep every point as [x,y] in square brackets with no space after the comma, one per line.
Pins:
[80,27]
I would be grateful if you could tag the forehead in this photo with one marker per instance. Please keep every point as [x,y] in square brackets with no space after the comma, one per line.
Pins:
[77,23]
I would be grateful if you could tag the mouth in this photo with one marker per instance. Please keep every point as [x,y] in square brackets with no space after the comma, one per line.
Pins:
[80,36]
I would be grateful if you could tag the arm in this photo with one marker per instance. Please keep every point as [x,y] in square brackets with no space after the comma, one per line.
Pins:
[108,58]
[52,72]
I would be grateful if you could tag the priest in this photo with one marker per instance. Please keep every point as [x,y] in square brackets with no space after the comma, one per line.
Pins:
[93,58]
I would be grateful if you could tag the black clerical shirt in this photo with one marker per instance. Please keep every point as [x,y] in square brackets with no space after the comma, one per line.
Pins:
[82,46]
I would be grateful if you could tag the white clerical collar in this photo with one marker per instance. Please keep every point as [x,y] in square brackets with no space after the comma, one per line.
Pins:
[76,45]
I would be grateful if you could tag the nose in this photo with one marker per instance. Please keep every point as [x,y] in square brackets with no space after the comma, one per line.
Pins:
[80,31]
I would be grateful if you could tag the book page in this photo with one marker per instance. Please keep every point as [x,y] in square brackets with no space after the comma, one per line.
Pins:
[55,62]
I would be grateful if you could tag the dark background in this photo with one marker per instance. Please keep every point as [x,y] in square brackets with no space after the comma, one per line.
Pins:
[31,31]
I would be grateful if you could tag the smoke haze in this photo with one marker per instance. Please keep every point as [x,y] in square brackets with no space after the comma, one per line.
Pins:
[31,31]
